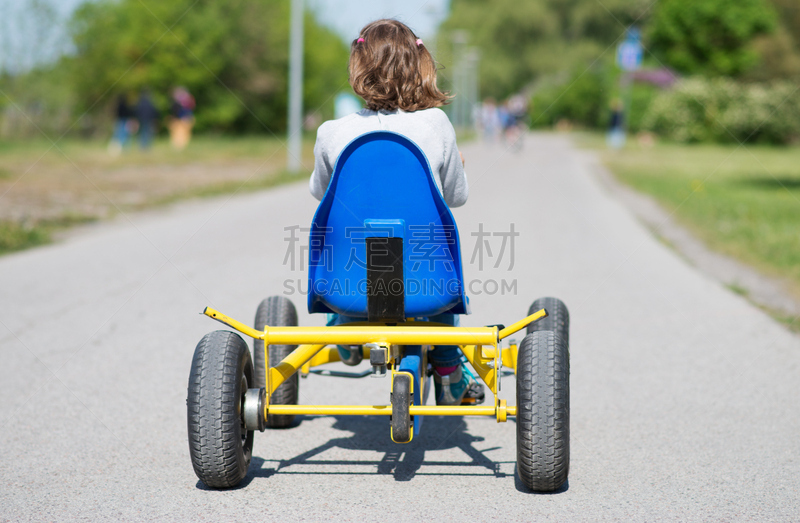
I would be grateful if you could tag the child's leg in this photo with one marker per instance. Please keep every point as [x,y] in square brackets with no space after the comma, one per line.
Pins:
[445,358]
[453,381]
[350,354]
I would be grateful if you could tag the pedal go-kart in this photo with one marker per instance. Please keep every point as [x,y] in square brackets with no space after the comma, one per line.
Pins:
[369,262]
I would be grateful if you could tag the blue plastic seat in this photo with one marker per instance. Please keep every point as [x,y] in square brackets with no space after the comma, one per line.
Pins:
[382,186]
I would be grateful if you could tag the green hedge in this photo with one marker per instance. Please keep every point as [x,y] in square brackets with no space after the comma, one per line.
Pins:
[583,100]
[641,98]
[722,110]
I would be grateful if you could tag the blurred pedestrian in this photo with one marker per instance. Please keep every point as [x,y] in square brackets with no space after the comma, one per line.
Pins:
[147,114]
[616,128]
[513,116]
[490,120]
[182,118]
[504,116]
[122,125]
[518,107]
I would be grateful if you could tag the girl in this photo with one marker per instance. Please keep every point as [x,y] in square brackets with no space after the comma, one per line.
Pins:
[394,73]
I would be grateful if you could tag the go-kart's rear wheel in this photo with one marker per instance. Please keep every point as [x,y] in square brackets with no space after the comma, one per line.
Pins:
[219,444]
[276,311]
[543,411]
[557,319]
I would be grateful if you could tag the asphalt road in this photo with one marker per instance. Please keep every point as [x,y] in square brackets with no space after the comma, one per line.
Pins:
[685,398]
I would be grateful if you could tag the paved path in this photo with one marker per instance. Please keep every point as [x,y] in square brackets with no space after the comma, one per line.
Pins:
[685,399]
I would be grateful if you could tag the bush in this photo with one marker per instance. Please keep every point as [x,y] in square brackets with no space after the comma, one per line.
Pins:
[722,110]
[585,100]
[642,96]
[582,100]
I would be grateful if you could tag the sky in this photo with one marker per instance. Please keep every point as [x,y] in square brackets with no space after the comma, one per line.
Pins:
[347,17]
[34,31]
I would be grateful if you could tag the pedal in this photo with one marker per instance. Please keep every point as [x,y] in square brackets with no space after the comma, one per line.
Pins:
[475,394]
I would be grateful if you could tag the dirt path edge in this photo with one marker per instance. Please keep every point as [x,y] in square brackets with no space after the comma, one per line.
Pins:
[765,291]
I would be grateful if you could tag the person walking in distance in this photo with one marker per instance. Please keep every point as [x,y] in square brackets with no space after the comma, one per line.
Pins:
[147,114]
[181,118]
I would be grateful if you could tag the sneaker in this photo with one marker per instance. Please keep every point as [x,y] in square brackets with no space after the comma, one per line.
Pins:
[457,388]
[350,354]
[474,394]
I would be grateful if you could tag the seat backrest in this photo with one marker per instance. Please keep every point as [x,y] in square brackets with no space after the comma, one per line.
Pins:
[382,186]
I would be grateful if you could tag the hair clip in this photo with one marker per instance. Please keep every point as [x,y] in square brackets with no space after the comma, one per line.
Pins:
[359,40]
[419,42]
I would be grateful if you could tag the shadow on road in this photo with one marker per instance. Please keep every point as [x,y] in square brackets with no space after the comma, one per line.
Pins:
[371,433]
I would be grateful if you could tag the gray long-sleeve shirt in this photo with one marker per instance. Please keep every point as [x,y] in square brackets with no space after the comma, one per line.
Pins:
[430,129]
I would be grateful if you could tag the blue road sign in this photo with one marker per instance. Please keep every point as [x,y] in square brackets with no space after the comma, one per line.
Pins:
[629,52]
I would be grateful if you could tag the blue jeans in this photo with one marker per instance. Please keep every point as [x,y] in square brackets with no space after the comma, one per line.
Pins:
[121,132]
[441,356]
[145,135]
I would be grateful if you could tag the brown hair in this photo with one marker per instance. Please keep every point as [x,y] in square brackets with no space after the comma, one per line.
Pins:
[391,69]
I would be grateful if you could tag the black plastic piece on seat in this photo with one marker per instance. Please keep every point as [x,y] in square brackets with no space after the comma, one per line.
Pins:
[385,286]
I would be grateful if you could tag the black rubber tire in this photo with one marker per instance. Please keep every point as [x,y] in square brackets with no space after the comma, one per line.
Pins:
[219,445]
[557,319]
[277,311]
[402,427]
[543,411]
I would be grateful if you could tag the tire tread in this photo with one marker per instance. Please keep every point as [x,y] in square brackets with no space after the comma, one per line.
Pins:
[218,456]
[276,311]
[543,411]
[557,319]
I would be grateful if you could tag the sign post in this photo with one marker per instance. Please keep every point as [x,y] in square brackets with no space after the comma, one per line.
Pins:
[629,58]
[295,138]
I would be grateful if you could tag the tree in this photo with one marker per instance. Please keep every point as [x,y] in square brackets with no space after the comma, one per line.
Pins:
[779,52]
[789,14]
[712,37]
[508,34]
[521,41]
[231,54]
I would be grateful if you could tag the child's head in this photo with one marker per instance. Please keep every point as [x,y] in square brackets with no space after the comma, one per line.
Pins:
[391,69]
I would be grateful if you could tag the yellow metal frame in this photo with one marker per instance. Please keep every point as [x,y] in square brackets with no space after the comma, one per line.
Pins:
[316,347]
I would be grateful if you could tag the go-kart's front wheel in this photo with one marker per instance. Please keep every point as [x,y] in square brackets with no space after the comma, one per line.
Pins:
[219,443]
[543,411]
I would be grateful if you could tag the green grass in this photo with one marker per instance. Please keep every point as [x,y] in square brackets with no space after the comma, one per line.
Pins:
[15,236]
[204,148]
[253,184]
[738,289]
[743,202]
[45,169]
[790,322]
